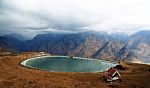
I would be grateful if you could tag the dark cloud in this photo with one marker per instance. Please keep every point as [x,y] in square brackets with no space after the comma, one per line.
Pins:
[16,21]
[30,17]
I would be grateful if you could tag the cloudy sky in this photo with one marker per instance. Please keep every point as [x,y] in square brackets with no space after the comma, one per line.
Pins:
[30,17]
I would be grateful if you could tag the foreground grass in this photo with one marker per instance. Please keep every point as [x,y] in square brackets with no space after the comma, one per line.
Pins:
[13,75]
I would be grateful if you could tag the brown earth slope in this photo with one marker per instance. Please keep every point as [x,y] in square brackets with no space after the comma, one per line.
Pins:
[13,75]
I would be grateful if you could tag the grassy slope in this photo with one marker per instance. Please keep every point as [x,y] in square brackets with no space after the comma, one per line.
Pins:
[13,75]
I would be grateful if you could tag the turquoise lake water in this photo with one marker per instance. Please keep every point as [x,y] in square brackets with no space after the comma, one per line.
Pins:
[67,64]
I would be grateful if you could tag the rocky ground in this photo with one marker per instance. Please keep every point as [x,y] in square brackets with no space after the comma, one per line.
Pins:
[13,75]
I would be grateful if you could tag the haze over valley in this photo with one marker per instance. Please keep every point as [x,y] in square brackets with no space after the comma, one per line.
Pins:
[91,44]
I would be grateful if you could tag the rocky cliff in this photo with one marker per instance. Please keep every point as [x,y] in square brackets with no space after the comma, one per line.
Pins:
[100,45]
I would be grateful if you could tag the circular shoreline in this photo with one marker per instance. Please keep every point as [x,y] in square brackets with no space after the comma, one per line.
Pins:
[108,63]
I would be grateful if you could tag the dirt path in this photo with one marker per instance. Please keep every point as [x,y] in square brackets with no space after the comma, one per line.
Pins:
[13,75]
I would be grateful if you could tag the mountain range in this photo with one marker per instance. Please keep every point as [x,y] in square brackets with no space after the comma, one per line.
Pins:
[91,44]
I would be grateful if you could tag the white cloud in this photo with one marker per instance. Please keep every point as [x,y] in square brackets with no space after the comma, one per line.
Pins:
[75,15]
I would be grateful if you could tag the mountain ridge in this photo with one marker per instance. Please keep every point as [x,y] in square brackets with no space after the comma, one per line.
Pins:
[100,45]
